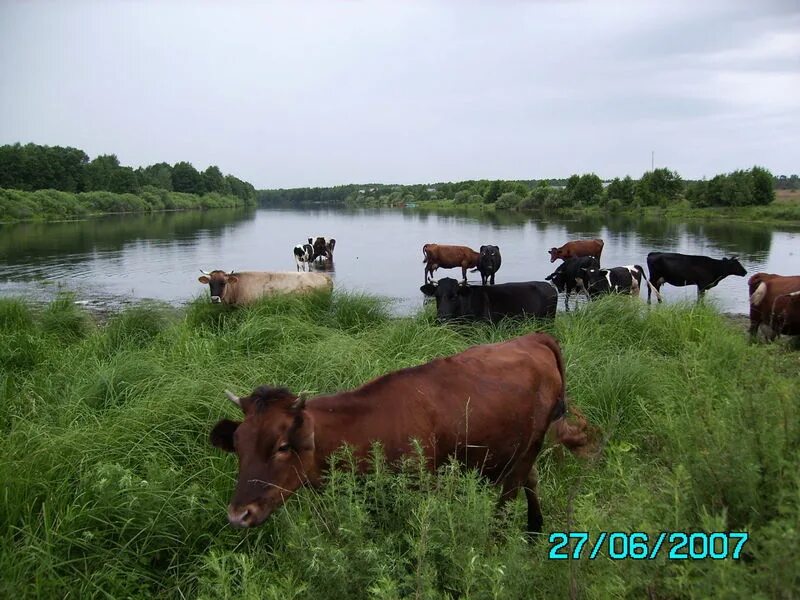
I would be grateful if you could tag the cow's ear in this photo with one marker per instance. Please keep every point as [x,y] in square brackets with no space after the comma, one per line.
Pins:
[482,248]
[301,431]
[232,279]
[222,435]
[203,279]
[428,289]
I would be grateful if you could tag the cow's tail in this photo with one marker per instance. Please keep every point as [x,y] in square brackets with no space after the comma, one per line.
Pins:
[425,253]
[757,295]
[568,425]
[647,279]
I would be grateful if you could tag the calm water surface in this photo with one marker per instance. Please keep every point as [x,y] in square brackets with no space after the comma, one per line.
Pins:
[118,259]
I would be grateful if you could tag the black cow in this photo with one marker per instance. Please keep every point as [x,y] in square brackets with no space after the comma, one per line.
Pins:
[686,269]
[492,302]
[488,263]
[323,247]
[568,277]
[619,280]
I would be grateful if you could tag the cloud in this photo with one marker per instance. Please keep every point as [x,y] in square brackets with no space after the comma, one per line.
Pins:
[292,94]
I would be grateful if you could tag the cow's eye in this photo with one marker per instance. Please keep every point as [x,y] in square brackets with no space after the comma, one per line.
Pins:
[284,448]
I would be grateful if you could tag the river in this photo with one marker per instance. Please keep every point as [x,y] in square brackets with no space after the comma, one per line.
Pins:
[120,259]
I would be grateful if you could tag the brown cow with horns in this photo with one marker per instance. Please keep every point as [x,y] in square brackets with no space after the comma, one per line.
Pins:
[494,420]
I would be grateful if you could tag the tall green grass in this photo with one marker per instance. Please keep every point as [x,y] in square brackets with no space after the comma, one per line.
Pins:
[110,489]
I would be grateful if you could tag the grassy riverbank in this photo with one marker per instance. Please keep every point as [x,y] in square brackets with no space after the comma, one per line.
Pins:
[53,205]
[110,488]
[776,213]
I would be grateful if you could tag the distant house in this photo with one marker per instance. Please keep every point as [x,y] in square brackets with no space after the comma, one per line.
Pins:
[431,189]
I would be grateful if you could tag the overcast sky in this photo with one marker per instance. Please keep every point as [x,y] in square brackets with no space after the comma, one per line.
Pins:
[288,94]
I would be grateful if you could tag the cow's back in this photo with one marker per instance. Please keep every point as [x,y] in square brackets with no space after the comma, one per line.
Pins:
[486,405]
[253,285]
[532,298]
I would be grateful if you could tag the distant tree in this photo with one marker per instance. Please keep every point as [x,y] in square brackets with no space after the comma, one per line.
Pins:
[158,175]
[214,181]
[763,187]
[660,187]
[98,173]
[622,190]
[123,180]
[461,197]
[185,178]
[494,191]
[508,200]
[584,189]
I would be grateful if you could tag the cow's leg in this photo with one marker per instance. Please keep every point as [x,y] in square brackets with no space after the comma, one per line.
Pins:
[492,282]
[535,520]
[701,292]
[464,273]
[566,299]
[297,261]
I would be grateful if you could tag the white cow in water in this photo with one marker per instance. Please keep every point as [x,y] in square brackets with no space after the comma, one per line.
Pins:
[248,286]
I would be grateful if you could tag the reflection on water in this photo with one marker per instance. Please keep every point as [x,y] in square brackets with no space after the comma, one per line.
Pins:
[378,250]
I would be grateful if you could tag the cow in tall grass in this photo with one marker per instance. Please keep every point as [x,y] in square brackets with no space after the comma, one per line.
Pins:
[488,407]
[249,286]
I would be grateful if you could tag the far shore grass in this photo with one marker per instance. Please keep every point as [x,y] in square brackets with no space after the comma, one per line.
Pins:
[111,489]
[54,205]
[780,212]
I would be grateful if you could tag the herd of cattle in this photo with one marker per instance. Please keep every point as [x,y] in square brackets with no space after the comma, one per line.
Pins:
[774,299]
[497,419]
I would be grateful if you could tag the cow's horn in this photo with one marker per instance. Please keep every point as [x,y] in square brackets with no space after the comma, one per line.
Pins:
[204,273]
[300,403]
[233,398]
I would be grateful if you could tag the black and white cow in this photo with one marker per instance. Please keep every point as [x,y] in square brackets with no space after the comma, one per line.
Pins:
[491,302]
[568,277]
[323,247]
[687,269]
[617,280]
[303,255]
[489,261]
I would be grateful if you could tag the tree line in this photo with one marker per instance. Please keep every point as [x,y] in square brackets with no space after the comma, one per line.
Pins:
[659,187]
[33,167]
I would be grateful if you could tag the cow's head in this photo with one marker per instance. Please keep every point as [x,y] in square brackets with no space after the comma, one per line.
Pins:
[218,282]
[492,253]
[594,280]
[734,267]
[555,254]
[275,446]
[558,278]
[449,296]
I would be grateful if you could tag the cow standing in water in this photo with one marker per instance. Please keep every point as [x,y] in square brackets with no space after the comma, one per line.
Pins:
[687,269]
[448,257]
[323,247]
[617,280]
[576,249]
[303,256]
[569,277]
[488,407]
[249,286]
[489,261]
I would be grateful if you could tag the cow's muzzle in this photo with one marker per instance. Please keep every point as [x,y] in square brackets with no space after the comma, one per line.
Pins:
[216,299]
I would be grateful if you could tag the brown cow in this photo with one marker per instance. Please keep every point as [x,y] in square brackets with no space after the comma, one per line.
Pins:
[577,248]
[493,420]
[774,302]
[448,257]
